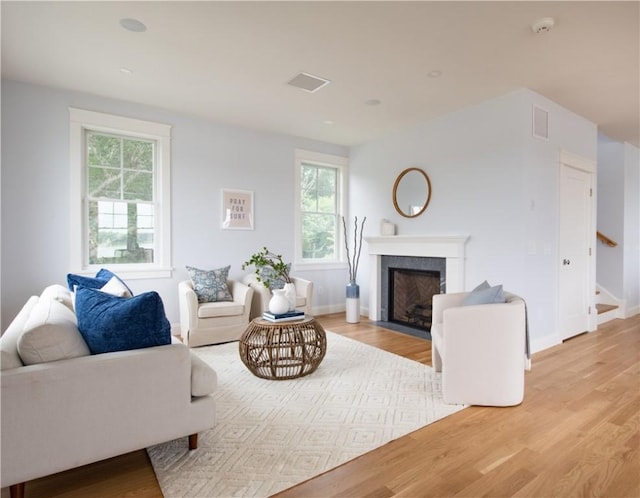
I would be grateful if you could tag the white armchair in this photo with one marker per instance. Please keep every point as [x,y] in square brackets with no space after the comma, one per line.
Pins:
[480,350]
[304,293]
[213,323]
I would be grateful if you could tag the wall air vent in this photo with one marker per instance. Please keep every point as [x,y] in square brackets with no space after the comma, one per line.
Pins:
[540,126]
[308,82]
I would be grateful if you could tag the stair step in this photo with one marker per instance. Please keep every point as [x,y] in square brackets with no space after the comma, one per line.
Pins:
[603,308]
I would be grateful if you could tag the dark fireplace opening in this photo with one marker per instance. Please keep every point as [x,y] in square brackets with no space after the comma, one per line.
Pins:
[407,287]
[411,294]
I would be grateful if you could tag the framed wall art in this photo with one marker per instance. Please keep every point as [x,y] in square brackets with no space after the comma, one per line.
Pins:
[237,209]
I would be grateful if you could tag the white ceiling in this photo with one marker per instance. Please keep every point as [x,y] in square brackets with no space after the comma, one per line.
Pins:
[230,61]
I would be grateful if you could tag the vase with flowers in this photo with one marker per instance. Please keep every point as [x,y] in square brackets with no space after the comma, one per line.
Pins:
[273,273]
[353,260]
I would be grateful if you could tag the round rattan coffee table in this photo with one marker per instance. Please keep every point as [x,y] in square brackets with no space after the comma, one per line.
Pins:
[283,350]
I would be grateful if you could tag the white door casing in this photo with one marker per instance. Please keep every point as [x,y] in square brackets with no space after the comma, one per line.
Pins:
[576,247]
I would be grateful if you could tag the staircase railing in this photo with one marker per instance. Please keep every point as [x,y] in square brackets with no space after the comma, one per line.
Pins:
[606,240]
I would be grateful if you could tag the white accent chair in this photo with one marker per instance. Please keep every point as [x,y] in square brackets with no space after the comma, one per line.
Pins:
[304,294]
[212,323]
[480,350]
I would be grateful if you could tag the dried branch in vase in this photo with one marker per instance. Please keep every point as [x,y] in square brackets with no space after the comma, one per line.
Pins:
[353,261]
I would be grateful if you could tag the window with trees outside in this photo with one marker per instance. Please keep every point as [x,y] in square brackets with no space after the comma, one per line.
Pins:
[121,185]
[321,202]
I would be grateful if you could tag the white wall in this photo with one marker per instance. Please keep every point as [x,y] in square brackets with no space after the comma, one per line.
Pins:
[206,156]
[491,180]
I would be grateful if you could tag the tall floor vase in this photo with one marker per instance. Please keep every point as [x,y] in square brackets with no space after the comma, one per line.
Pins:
[353,302]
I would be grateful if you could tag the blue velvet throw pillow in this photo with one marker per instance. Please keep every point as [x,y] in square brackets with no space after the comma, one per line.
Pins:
[97,282]
[484,294]
[112,323]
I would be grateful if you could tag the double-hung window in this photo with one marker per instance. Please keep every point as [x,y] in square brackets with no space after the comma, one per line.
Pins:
[120,194]
[321,202]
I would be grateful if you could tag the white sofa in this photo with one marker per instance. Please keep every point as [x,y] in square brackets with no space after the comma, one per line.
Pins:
[480,349]
[57,415]
[262,296]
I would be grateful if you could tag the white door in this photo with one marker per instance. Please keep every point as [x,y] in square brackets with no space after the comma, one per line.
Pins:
[574,251]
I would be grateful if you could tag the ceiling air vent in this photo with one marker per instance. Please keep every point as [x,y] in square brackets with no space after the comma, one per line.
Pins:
[308,82]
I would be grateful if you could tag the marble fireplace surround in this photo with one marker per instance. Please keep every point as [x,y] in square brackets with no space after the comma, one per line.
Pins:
[427,246]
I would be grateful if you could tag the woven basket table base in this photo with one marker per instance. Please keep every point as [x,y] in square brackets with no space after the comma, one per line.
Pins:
[285,350]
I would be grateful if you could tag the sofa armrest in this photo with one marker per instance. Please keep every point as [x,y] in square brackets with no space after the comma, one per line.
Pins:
[241,293]
[188,302]
[304,288]
[261,295]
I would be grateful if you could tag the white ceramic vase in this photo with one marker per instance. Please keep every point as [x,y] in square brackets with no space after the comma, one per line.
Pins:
[353,302]
[278,303]
[290,293]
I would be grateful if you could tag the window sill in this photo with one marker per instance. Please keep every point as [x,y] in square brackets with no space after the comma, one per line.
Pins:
[128,273]
[329,265]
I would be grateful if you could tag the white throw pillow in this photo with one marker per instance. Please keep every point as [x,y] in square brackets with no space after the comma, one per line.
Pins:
[115,287]
[51,334]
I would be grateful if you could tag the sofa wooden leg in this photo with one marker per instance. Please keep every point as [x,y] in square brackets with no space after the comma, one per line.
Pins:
[17,490]
[193,441]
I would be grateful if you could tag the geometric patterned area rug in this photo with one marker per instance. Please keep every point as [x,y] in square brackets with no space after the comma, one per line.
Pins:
[270,435]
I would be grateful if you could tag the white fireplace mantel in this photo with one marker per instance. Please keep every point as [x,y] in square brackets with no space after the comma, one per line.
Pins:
[428,246]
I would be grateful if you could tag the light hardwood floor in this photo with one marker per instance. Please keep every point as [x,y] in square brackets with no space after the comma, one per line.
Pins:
[577,433]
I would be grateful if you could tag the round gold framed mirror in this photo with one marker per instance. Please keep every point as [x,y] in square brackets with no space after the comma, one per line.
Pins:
[411,192]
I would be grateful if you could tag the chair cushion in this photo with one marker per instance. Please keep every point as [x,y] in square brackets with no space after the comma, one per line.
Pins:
[212,310]
[111,323]
[51,334]
[210,285]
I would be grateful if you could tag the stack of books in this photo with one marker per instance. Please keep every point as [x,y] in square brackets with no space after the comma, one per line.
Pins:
[283,317]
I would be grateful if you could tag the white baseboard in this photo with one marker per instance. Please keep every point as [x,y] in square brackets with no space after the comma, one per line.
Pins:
[328,309]
[541,343]
[335,308]
[629,312]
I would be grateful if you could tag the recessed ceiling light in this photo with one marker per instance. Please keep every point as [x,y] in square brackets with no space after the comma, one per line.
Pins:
[436,73]
[133,25]
[372,102]
[126,70]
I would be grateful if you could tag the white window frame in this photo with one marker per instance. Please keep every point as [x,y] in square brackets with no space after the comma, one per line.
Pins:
[328,160]
[81,121]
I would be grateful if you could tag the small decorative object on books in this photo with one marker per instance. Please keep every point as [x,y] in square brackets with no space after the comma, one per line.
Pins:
[283,317]
[353,289]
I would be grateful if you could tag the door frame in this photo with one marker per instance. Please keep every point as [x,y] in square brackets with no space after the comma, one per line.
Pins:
[578,162]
